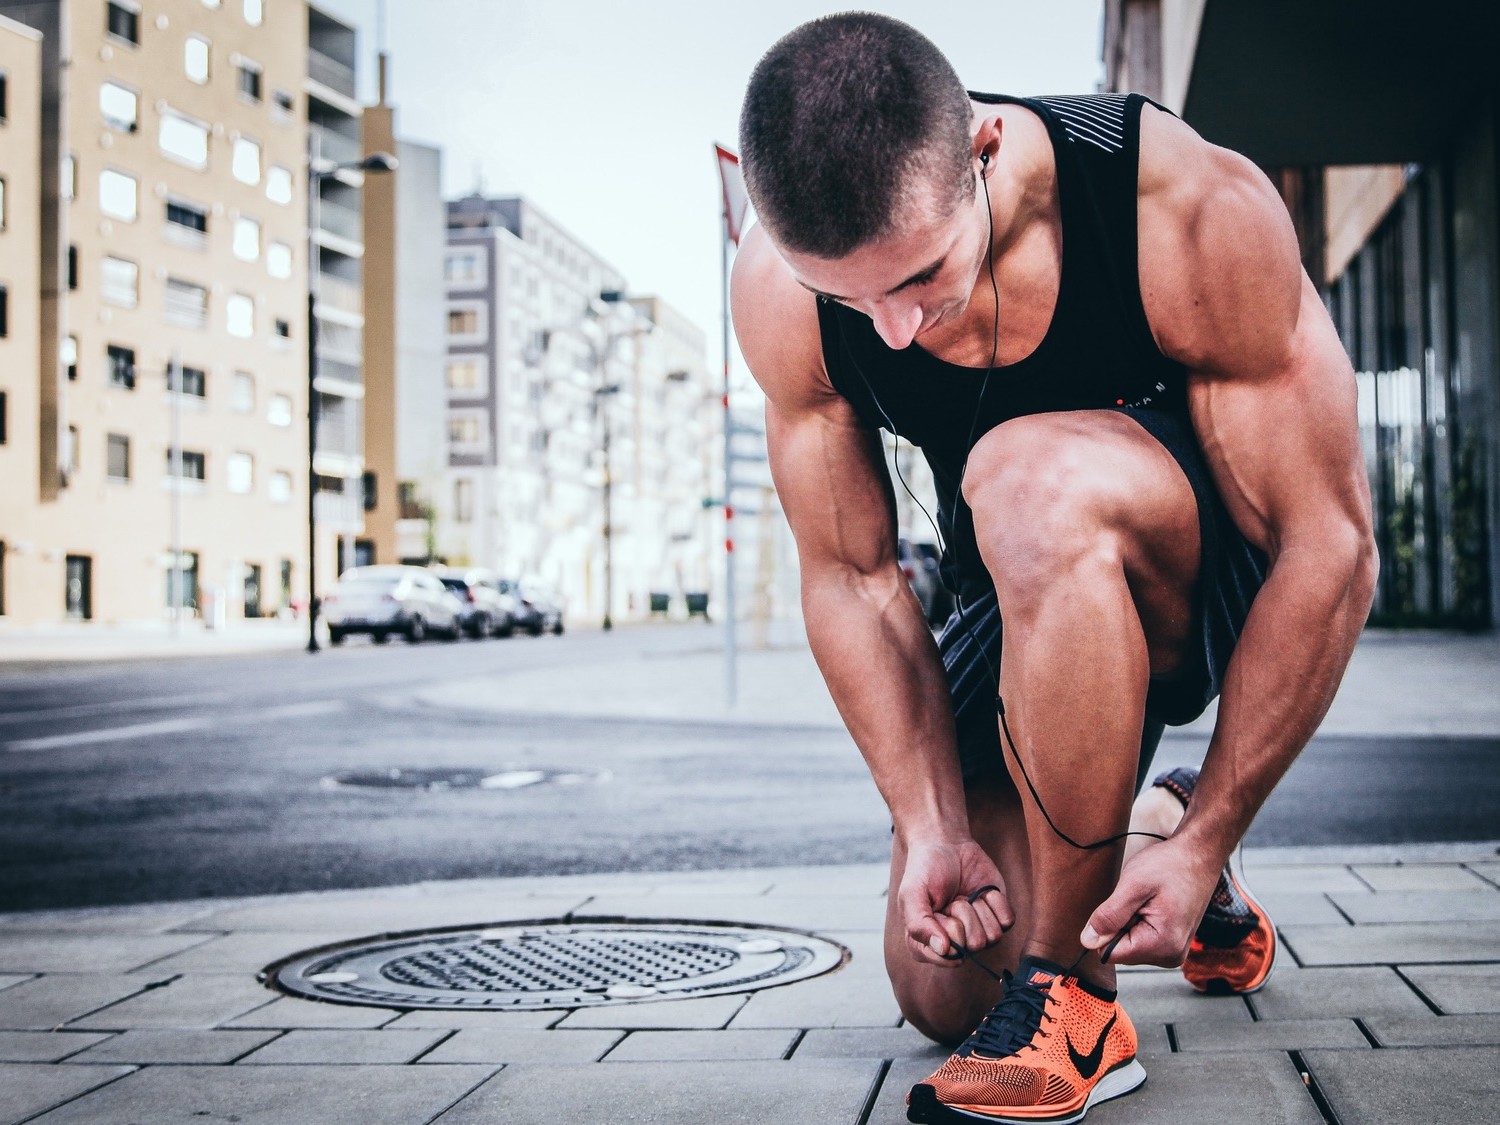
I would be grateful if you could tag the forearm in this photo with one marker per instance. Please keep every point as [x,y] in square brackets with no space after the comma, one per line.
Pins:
[883,670]
[1291,655]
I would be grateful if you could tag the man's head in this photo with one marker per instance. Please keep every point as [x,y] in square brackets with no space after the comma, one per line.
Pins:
[852,125]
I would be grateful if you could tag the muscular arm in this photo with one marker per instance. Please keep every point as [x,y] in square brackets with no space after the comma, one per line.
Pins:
[1274,405]
[864,625]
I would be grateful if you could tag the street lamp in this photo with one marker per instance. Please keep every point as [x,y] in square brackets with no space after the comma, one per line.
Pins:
[317,171]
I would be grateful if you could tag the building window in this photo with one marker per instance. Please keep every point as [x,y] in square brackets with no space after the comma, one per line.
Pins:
[278,184]
[464,267]
[4,210]
[120,282]
[70,451]
[69,177]
[120,107]
[282,106]
[463,501]
[249,79]
[195,59]
[121,367]
[279,488]
[3,423]
[241,316]
[4,312]
[184,139]
[283,329]
[118,194]
[194,466]
[72,266]
[246,166]
[187,223]
[69,357]
[246,239]
[117,457]
[242,393]
[214,4]
[254,12]
[465,376]
[279,410]
[279,260]
[123,21]
[186,303]
[188,381]
[240,473]
[4,109]
[370,491]
[463,429]
[463,322]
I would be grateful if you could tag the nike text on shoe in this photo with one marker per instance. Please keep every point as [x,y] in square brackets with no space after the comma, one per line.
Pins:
[1235,943]
[1052,1047]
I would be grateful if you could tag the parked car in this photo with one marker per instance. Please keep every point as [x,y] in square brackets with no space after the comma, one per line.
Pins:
[538,608]
[486,611]
[920,563]
[382,600]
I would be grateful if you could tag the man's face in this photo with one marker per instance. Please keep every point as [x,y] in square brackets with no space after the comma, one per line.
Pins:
[908,283]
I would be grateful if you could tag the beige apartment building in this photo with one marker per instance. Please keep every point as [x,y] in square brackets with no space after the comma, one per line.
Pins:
[165,410]
[1380,125]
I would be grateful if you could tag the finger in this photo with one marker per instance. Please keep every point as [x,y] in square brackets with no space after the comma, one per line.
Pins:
[926,951]
[981,928]
[1113,915]
[1144,944]
[998,904]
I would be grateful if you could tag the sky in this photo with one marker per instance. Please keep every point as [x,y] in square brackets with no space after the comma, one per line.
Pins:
[604,114]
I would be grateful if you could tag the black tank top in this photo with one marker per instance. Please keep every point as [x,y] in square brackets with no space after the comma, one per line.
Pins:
[1097,353]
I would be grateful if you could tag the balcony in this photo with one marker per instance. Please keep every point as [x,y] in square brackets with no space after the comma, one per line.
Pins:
[344,222]
[336,148]
[336,511]
[340,296]
[328,71]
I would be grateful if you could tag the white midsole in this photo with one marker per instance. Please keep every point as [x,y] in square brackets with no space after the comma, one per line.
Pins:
[1112,1085]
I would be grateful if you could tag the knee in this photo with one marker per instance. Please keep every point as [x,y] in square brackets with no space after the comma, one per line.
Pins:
[946,1024]
[1042,501]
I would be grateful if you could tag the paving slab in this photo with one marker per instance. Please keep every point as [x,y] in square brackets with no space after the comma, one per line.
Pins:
[145,918]
[1268,1035]
[62,952]
[491,1021]
[386,915]
[8,979]
[701,1013]
[45,1046]
[1301,878]
[249,952]
[1419,877]
[1167,998]
[674,1046]
[177,1046]
[904,1042]
[1245,1088]
[27,1089]
[890,1103]
[1488,870]
[519,1045]
[1458,988]
[1305,994]
[1420,906]
[820,913]
[826,1091]
[191,1000]
[1294,908]
[273,1095]
[50,1001]
[1408,1084]
[344,1046]
[1398,943]
[1439,1031]
[290,1012]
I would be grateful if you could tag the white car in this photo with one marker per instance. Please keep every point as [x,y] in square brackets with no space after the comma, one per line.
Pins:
[381,600]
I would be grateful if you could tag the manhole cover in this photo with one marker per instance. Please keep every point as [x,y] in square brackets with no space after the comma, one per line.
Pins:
[436,780]
[563,965]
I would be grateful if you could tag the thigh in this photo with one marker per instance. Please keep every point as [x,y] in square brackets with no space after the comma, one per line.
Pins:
[1046,489]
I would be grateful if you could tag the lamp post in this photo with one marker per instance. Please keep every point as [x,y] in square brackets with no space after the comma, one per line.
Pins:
[317,172]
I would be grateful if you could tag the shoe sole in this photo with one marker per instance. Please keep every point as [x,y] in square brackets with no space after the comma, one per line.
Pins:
[923,1105]
[1218,986]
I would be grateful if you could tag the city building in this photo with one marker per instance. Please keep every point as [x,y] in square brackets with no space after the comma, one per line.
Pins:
[405,356]
[1380,126]
[578,419]
[159,425]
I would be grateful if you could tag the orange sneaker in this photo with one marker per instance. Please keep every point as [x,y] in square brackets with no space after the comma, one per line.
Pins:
[1053,1047]
[1234,947]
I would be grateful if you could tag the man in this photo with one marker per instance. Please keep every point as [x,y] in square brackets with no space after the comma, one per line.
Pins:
[1142,429]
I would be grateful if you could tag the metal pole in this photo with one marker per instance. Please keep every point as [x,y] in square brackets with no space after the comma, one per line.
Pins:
[731,672]
[174,385]
[609,553]
[312,394]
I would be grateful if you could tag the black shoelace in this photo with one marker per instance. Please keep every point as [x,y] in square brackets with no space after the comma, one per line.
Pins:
[1011,1024]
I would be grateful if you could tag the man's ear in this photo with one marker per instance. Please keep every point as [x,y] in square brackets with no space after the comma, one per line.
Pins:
[986,142]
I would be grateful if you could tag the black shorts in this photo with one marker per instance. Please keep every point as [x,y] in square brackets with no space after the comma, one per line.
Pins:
[1231,572]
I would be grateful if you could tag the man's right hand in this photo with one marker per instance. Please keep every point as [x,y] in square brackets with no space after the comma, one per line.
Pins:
[933,900]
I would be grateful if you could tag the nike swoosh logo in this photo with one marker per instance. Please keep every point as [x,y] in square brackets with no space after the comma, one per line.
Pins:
[1088,1065]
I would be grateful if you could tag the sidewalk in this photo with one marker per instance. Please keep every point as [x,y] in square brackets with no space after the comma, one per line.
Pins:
[90,641]
[1385,1005]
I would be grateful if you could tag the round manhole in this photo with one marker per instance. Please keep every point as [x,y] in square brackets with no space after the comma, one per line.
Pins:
[437,780]
[557,965]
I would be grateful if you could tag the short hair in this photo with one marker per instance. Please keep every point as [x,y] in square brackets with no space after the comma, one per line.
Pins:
[840,119]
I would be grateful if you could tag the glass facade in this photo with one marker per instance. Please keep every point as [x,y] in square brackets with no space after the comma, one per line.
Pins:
[1423,356]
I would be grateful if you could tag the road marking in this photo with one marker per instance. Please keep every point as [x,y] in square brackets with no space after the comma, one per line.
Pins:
[307,710]
[140,703]
[110,734]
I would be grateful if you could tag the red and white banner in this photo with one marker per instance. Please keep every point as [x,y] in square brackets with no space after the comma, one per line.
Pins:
[736,201]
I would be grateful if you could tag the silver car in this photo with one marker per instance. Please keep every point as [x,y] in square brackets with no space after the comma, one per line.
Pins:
[381,600]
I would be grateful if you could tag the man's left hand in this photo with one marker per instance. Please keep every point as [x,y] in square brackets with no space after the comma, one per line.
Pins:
[1157,903]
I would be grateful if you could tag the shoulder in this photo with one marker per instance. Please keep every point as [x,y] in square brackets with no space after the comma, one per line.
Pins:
[1221,274]
[776,323]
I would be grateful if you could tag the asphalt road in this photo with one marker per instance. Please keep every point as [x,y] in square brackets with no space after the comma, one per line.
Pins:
[173,779]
